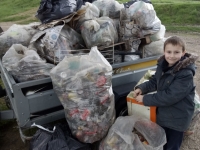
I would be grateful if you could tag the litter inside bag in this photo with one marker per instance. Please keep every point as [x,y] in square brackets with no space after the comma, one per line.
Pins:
[86,12]
[110,8]
[25,64]
[99,32]
[129,32]
[83,85]
[17,34]
[55,43]
[147,135]
[145,17]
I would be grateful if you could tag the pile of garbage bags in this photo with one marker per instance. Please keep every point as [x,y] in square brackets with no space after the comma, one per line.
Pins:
[73,27]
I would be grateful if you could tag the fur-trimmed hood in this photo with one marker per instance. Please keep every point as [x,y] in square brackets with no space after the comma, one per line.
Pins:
[189,60]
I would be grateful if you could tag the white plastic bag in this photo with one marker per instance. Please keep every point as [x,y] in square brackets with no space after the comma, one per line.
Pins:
[122,137]
[145,16]
[25,64]
[154,48]
[86,12]
[197,101]
[159,35]
[99,32]
[55,43]
[17,34]
[110,8]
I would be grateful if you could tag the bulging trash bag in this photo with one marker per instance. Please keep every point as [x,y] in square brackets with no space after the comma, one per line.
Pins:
[130,2]
[145,16]
[154,48]
[55,43]
[83,85]
[17,34]
[25,64]
[86,12]
[99,32]
[58,139]
[158,35]
[110,8]
[133,133]
[55,9]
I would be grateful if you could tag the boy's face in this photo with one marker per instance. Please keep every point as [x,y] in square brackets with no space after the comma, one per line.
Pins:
[173,53]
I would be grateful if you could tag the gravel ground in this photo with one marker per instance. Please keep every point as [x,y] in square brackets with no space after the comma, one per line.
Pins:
[9,134]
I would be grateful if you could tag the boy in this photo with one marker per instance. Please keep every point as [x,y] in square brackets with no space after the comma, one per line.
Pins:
[174,99]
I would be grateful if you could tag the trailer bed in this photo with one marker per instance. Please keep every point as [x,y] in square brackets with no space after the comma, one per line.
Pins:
[43,106]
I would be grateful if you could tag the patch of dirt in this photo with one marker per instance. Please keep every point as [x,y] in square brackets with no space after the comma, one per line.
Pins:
[9,133]
[30,13]
[10,137]
[6,25]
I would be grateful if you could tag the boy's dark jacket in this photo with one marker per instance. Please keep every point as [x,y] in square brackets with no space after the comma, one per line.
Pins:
[175,93]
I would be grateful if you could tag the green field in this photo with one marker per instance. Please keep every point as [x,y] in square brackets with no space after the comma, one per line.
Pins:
[176,15]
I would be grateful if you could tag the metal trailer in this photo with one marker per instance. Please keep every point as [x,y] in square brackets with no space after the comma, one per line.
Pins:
[43,106]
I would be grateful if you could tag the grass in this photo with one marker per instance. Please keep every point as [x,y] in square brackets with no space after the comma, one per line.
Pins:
[167,1]
[13,7]
[19,11]
[183,28]
[3,104]
[188,14]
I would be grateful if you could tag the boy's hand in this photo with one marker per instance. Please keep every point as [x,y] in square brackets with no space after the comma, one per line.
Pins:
[139,98]
[137,92]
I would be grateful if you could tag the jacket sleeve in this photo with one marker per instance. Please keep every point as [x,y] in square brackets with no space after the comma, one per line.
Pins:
[176,91]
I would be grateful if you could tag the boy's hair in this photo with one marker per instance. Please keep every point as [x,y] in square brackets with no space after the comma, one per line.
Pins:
[175,40]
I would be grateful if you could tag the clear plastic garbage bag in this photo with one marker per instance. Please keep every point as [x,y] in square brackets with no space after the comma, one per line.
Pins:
[99,32]
[25,64]
[145,16]
[17,34]
[121,135]
[83,85]
[55,43]
[110,8]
